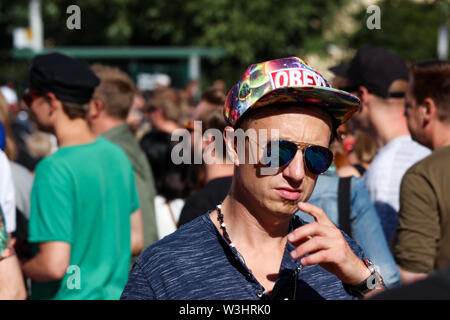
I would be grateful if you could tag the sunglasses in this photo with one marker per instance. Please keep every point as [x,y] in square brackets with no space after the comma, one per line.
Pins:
[317,158]
[30,96]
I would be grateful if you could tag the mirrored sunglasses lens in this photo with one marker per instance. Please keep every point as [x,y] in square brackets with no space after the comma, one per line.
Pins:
[318,159]
[282,155]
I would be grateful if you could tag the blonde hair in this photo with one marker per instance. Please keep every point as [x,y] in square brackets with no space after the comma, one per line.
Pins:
[116,90]
[365,148]
[172,103]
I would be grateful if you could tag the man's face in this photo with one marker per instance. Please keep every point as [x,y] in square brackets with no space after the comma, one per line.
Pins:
[361,119]
[413,115]
[41,114]
[280,192]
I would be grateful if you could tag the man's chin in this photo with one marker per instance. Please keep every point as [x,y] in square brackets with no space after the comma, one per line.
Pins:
[284,206]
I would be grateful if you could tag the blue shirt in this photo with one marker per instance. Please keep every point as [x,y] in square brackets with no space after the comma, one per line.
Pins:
[365,224]
[196,263]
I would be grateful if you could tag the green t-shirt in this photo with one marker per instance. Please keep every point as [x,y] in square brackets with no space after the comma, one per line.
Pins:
[84,195]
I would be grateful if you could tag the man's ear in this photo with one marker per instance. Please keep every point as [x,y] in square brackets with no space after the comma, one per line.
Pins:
[95,108]
[428,111]
[363,95]
[228,136]
[53,102]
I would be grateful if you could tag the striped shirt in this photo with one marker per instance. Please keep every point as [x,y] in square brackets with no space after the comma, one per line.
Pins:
[196,263]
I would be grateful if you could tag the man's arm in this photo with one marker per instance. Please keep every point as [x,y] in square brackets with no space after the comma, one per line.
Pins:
[137,233]
[418,230]
[50,263]
[12,286]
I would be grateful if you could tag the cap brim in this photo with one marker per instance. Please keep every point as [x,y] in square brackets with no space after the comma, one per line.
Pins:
[340,70]
[340,104]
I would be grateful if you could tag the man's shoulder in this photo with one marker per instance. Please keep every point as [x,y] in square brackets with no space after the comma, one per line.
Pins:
[123,138]
[182,245]
[435,163]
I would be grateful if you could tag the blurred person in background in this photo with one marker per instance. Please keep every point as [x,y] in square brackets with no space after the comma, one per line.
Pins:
[423,233]
[361,155]
[211,98]
[7,195]
[340,80]
[22,180]
[220,84]
[21,127]
[352,143]
[218,173]
[84,204]
[166,110]
[173,182]
[12,286]
[107,116]
[379,78]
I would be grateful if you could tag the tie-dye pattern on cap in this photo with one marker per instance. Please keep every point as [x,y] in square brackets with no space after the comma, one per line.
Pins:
[286,80]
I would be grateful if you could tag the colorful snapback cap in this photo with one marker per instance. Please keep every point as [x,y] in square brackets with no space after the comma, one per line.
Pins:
[287,80]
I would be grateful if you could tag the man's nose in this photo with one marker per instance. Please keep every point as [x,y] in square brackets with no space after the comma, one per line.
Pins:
[295,170]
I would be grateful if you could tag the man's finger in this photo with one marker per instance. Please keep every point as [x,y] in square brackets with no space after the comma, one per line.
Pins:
[305,232]
[316,212]
[322,256]
[311,246]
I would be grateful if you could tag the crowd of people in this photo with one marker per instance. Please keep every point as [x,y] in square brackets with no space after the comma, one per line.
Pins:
[93,205]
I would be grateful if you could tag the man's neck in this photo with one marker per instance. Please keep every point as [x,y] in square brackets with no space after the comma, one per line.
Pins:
[386,128]
[441,136]
[166,126]
[105,124]
[215,171]
[253,230]
[74,132]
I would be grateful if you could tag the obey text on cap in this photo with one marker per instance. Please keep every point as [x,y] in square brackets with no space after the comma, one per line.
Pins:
[295,77]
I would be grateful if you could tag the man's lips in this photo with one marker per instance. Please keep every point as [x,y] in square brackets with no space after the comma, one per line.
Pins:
[289,193]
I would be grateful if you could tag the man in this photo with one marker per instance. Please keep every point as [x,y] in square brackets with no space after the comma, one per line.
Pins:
[424,220]
[165,109]
[252,246]
[111,103]
[212,98]
[380,77]
[85,221]
[218,171]
[11,280]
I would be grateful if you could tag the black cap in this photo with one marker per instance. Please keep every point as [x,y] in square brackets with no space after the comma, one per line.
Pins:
[376,68]
[68,79]
[340,70]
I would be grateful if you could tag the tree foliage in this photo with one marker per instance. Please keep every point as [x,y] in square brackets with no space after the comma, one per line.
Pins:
[249,31]
[408,28]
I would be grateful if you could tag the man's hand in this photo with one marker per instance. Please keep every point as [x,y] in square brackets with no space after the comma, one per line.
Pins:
[327,247]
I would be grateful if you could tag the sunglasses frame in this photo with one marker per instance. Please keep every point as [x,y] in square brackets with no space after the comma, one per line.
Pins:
[303,146]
